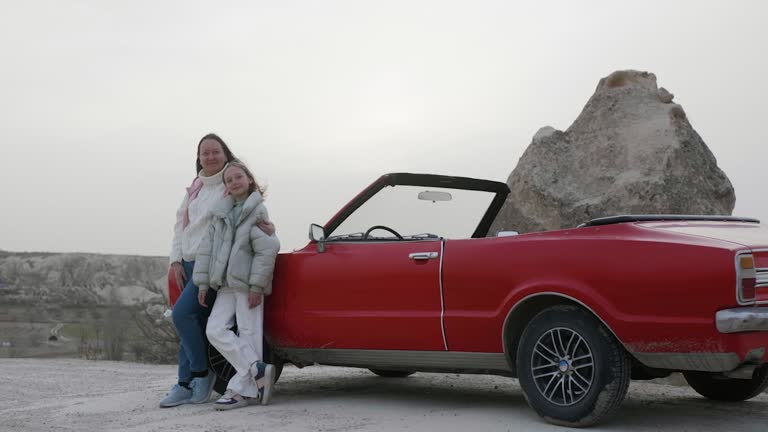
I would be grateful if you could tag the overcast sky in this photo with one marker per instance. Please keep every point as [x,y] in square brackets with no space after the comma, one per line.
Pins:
[102,103]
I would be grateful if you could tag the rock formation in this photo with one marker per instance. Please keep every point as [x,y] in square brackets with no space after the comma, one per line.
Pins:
[630,151]
[77,279]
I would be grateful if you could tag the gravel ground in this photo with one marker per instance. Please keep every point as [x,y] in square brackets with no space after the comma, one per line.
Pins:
[79,395]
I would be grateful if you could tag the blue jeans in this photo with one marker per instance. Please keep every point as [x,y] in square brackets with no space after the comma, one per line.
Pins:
[190,319]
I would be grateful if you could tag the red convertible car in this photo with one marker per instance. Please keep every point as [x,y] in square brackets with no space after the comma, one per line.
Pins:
[406,278]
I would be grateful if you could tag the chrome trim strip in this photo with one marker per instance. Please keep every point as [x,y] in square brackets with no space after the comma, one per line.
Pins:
[761,277]
[442,297]
[742,319]
[399,359]
[739,276]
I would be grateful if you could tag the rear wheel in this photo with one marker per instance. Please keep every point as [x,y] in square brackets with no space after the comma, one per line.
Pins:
[717,387]
[391,373]
[572,370]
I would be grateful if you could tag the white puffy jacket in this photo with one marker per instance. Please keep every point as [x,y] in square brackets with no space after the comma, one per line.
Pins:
[245,252]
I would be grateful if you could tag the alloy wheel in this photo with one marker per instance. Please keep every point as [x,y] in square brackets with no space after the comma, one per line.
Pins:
[563,366]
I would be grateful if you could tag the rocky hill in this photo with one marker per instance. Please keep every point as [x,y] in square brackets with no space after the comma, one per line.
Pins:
[80,279]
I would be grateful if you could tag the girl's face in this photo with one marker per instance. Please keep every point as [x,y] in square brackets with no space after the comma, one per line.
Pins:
[237,182]
[212,157]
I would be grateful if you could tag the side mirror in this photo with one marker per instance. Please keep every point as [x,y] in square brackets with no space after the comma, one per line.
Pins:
[317,234]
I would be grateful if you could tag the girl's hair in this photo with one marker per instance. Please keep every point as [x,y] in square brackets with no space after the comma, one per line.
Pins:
[213,136]
[254,186]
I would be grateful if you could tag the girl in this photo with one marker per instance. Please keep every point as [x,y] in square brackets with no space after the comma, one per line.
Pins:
[237,260]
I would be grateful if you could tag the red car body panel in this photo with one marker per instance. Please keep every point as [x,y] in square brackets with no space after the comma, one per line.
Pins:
[350,297]
[656,285]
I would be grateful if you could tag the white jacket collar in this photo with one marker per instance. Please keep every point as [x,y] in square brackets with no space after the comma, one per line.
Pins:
[224,205]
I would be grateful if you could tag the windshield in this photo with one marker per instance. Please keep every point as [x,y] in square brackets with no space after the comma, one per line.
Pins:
[452,216]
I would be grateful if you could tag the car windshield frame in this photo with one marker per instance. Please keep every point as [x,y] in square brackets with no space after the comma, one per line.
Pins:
[499,189]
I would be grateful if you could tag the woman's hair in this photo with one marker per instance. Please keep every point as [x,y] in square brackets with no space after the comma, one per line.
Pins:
[254,186]
[213,136]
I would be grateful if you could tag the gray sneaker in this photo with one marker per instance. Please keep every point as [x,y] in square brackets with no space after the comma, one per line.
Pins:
[202,388]
[231,400]
[177,396]
[264,375]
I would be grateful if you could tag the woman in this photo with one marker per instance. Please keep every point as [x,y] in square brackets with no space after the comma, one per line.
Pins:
[193,218]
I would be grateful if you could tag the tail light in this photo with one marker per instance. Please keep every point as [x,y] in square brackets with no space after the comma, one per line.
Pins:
[745,272]
[748,289]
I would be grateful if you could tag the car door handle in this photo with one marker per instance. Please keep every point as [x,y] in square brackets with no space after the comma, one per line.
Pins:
[422,255]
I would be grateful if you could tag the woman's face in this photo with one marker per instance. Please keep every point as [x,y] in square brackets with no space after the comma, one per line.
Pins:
[237,182]
[211,156]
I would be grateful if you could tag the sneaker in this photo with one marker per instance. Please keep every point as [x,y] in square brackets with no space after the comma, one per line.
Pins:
[202,388]
[231,400]
[177,396]
[264,374]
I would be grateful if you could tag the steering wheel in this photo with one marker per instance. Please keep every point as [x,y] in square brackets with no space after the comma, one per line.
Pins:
[381,227]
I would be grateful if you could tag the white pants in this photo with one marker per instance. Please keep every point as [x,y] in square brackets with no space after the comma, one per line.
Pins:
[243,349]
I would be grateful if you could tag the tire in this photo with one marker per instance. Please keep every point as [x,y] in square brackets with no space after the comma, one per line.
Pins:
[588,372]
[716,387]
[224,371]
[391,373]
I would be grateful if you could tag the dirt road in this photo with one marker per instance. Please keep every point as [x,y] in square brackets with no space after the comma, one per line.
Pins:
[78,395]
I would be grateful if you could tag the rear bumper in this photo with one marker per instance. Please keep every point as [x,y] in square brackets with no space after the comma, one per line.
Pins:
[744,319]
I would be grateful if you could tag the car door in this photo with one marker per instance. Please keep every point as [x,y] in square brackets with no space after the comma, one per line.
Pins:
[359,295]
[370,279]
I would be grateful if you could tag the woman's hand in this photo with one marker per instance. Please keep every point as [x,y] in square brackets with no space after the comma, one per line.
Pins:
[201,297]
[181,278]
[254,299]
[267,226]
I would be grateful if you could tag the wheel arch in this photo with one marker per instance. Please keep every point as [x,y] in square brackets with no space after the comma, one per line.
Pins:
[524,310]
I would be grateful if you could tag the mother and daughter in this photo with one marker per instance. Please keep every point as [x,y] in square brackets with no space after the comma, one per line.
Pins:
[223,254]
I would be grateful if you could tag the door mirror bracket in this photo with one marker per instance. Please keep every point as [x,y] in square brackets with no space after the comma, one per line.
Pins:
[317,235]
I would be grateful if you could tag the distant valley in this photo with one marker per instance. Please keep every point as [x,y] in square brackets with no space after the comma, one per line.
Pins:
[84,305]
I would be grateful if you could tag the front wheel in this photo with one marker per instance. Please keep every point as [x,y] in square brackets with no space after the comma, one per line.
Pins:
[572,370]
[720,388]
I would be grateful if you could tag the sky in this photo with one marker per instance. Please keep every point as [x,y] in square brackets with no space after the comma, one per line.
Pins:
[102,103]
